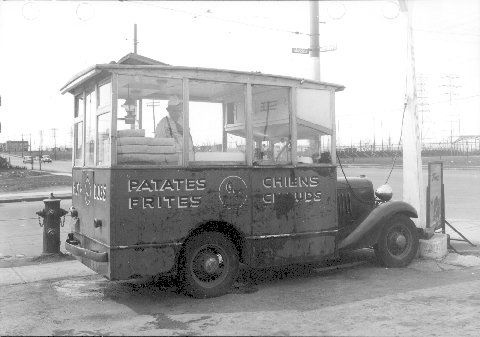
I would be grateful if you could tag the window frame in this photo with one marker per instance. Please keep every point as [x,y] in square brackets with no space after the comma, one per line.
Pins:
[102,110]
[291,120]
[323,129]
[100,83]
[80,118]
[248,160]
[90,89]
[115,77]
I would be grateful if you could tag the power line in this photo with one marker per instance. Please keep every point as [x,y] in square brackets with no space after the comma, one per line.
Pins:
[208,15]
[455,99]
[445,33]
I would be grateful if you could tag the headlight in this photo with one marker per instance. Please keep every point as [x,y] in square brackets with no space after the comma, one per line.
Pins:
[384,193]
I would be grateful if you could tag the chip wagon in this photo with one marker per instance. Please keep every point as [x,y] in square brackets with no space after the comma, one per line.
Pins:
[192,171]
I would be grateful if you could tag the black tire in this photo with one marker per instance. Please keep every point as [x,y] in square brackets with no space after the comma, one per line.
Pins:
[398,242]
[210,265]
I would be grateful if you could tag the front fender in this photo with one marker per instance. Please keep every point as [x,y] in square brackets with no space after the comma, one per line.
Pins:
[362,235]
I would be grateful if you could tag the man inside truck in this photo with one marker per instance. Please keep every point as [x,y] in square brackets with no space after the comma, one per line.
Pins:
[171,126]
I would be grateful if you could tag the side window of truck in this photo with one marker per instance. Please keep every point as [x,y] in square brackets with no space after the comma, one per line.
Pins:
[217,123]
[314,124]
[271,125]
[148,121]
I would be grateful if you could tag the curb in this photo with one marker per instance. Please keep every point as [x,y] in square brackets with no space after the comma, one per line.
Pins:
[34,198]
[43,272]
[55,173]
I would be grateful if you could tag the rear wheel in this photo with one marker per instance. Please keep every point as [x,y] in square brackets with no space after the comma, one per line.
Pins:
[210,265]
[398,243]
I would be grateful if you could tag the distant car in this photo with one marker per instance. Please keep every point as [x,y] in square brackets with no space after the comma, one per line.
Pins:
[46,159]
[27,159]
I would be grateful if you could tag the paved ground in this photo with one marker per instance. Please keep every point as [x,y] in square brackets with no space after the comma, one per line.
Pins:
[427,299]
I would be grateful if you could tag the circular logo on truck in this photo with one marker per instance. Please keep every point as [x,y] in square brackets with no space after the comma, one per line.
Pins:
[233,192]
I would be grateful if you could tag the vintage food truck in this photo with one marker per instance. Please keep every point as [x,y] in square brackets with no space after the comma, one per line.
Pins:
[192,171]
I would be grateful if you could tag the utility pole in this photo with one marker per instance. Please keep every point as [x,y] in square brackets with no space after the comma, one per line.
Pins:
[451,87]
[315,39]
[31,150]
[153,105]
[135,42]
[40,150]
[22,145]
[374,127]
[422,102]
[413,191]
[54,144]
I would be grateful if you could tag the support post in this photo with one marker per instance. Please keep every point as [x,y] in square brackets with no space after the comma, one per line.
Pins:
[249,145]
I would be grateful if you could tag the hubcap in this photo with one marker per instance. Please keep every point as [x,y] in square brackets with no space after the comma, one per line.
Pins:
[211,265]
[398,241]
[401,241]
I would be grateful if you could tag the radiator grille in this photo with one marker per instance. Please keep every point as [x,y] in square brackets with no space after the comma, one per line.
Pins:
[344,203]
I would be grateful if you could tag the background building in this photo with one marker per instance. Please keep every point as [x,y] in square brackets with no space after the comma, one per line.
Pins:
[16,146]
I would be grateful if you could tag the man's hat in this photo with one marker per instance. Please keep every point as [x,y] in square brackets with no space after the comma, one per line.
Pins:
[174,101]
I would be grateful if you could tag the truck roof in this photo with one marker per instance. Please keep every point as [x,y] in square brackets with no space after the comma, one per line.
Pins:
[161,69]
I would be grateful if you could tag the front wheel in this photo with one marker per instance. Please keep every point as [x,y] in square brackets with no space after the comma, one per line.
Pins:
[210,265]
[398,243]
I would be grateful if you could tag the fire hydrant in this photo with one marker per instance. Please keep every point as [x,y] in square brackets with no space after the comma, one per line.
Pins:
[51,214]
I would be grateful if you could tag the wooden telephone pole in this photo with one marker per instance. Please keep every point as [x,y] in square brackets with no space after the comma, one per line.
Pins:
[135,41]
[413,190]
[315,39]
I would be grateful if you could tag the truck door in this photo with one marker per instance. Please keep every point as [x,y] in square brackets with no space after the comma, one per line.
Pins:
[294,214]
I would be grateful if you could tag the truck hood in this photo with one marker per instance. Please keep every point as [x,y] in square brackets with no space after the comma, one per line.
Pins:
[355,182]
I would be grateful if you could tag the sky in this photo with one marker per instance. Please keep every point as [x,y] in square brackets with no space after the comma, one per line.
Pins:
[44,44]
